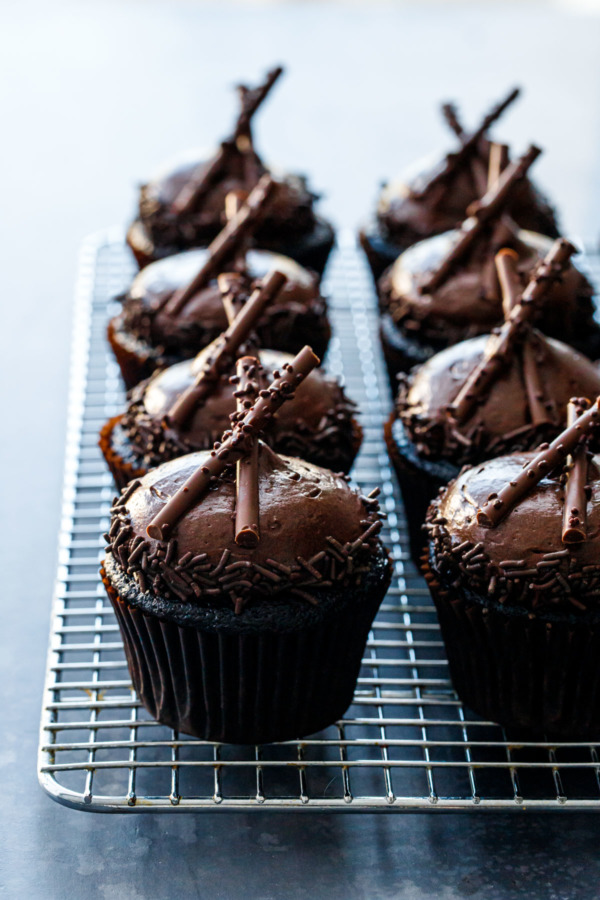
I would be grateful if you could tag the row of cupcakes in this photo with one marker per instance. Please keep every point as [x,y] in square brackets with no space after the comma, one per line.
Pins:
[243,568]
[494,430]
[450,291]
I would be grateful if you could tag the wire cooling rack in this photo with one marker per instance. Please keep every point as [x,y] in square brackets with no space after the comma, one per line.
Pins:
[406,743]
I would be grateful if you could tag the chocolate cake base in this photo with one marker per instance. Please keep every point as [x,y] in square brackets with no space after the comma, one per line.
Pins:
[419,479]
[279,670]
[537,676]
[311,250]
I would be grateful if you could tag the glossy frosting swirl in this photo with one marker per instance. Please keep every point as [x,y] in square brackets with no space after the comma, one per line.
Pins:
[404,220]
[502,421]
[522,561]
[203,317]
[469,301]
[317,424]
[315,532]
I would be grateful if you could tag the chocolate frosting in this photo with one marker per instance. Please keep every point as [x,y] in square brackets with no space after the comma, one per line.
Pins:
[203,316]
[317,422]
[469,300]
[290,212]
[502,420]
[522,561]
[403,219]
[315,532]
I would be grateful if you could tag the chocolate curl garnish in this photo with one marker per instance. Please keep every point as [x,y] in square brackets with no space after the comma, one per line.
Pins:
[234,201]
[252,99]
[226,243]
[498,161]
[233,289]
[247,533]
[480,213]
[500,346]
[235,443]
[508,275]
[575,509]
[541,411]
[201,181]
[229,343]
[469,146]
[499,505]
[450,114]
[204,176]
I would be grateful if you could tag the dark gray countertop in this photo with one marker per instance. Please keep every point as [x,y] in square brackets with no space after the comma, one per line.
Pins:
[92,97]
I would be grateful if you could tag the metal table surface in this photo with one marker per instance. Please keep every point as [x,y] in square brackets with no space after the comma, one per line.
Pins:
[92,97]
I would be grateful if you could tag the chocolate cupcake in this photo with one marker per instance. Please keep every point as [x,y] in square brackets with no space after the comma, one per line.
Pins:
[433,198]
[245,600]
[489,395]
[446,289]
[514,569]
[184,205]
[174,307]
[187,407]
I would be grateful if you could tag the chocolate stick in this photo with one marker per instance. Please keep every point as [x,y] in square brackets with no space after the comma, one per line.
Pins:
[235,443]
[201,180]
[247,532]
[252,99]
[228,344]
[500,345]
[450,114]
[510,284]
[503,234]
[540,410]
[234,201]
[225,244]
[469,146]
[575,509]
[233,291]
[499,505]
[498,160]
[204,175]
[480,214]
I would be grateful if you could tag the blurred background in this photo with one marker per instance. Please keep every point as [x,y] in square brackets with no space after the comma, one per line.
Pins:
[94,96]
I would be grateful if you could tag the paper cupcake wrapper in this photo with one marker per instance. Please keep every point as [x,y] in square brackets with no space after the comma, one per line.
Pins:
[419,481]
[535,677]
[122,470]
[379,252]
[400,351]
[247,686]
[135,363]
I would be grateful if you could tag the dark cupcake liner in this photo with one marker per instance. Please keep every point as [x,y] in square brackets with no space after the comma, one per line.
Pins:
[419,479]
[380,252]
[400,351]
[136,359]
[123,470]
[538,677]
[310,250]
[222,677]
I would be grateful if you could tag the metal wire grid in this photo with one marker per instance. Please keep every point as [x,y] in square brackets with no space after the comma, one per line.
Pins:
[406,743]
